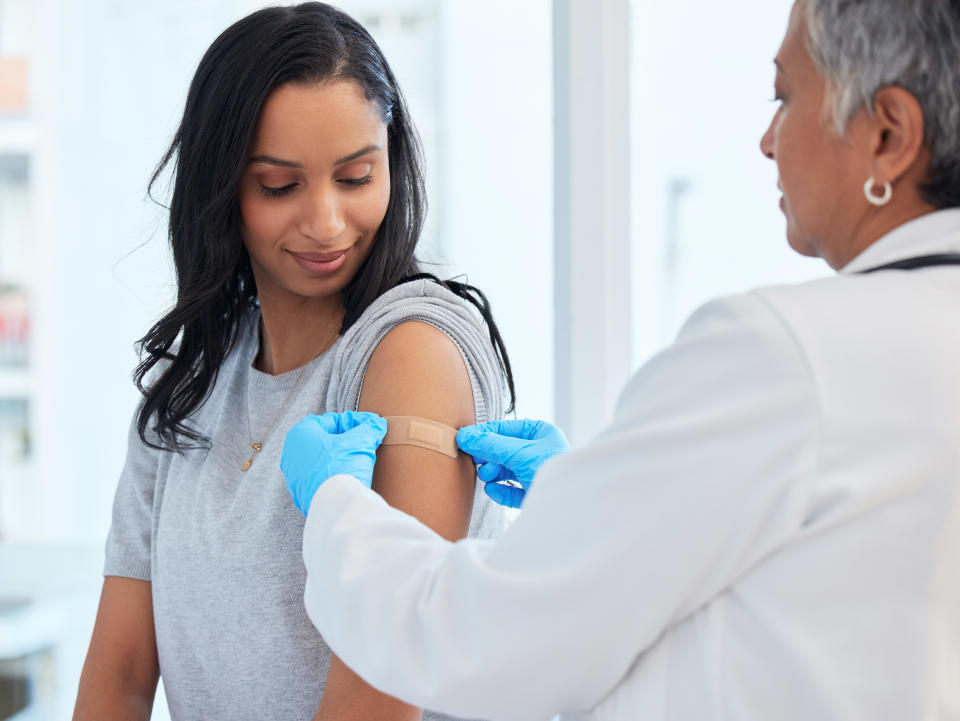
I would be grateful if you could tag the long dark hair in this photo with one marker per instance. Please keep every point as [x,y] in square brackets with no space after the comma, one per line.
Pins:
[306,43]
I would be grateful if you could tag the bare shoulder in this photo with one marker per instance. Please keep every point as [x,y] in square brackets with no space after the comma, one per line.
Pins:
[418,370]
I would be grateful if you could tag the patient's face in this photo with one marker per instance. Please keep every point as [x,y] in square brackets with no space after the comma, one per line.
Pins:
[315,189]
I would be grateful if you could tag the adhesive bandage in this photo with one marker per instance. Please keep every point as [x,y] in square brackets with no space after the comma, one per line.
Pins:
[413,431]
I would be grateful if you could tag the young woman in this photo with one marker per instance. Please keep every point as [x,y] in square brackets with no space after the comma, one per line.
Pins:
[297,204]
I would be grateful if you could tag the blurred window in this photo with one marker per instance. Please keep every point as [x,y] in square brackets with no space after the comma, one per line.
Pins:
[706,216]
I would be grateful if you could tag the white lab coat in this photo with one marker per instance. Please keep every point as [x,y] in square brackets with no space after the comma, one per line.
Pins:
[769,529]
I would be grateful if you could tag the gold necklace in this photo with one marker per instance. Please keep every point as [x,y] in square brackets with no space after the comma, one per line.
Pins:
[257,447]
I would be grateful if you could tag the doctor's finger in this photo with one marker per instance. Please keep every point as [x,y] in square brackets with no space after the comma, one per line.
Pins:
[339,423]
[523,428]
[331,423]
[491,472]
[361,419]
[490,446]
[509,496]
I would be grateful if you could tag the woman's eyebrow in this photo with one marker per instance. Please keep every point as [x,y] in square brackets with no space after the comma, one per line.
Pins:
[271,160]
[359,154]
[779,66]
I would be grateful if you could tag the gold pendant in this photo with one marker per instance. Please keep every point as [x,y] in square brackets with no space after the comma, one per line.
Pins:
[257,447]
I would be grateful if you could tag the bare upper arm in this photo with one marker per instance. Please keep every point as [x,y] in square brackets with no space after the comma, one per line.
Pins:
[417,370]
[120,674]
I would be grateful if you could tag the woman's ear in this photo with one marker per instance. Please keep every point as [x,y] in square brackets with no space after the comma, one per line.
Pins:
[899,127]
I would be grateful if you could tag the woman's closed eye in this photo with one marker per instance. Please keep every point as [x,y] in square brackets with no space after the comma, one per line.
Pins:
[356,182]
[274,192]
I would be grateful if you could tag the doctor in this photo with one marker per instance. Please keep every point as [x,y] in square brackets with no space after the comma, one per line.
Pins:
[770,527]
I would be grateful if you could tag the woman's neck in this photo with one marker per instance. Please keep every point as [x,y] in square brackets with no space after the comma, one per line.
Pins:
[294,331]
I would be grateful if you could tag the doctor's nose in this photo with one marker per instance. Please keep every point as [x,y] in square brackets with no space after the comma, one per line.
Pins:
[766,141]
[322,217]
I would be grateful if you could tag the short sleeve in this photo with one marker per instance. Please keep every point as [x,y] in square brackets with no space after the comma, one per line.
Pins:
[427,302]
[129,541]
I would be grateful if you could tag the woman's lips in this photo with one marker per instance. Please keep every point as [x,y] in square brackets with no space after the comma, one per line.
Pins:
[321,263]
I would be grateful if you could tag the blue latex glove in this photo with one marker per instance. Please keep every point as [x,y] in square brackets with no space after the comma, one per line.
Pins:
[511,452]
[320,447]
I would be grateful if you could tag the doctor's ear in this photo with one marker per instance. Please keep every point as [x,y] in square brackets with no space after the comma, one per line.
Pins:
[898,129]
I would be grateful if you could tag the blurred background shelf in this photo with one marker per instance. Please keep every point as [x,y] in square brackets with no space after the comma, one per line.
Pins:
[48,599]
[15,382]
[17,136]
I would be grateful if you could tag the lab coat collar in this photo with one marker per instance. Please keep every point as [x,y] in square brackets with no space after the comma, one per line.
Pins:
[937,232]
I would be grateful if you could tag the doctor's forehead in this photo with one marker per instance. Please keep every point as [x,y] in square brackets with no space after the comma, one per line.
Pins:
[793,59]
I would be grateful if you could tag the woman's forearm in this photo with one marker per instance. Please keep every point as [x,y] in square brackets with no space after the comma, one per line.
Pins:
[112,698]
[347,697]
[120,674]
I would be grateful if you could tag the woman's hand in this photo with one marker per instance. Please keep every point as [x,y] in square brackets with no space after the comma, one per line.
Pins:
[320,447]
[511,451]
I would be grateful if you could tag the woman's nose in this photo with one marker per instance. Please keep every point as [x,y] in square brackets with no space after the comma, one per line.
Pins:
[322,218]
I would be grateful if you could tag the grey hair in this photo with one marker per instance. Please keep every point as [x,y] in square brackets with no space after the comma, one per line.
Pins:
[863,46]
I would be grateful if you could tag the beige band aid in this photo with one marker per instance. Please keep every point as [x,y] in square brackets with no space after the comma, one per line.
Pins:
[413,431]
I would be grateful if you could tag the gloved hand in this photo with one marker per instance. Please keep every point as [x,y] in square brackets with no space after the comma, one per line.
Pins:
[511,450]
[320,447]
